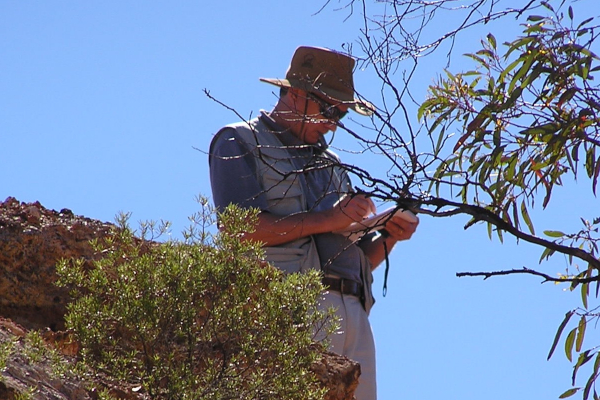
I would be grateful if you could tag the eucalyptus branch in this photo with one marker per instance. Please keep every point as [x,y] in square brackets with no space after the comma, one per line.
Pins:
[547,278]
[481,214]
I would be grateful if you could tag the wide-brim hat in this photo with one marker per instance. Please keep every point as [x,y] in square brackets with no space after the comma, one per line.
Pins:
[326,72]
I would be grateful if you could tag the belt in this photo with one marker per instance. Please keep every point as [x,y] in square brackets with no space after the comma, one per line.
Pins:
[344,286]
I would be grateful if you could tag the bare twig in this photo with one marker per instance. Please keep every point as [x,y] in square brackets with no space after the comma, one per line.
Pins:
[524,270]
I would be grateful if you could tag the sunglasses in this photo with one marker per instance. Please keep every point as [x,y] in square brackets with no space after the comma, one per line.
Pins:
[327,110]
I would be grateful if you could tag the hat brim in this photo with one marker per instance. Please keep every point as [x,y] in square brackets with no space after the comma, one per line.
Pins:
[361,107]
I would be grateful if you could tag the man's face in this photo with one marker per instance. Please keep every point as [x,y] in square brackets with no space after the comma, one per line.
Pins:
[310,123]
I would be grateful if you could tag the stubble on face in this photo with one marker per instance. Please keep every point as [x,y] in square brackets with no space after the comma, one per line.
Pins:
[302,117]
[310,125]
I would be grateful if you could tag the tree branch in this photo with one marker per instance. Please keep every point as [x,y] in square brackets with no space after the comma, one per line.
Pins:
[481,214]
[547,278]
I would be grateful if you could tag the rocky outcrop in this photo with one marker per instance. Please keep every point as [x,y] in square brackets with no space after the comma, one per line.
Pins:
[25,368]
[32,240]
[339,374]
[21,374]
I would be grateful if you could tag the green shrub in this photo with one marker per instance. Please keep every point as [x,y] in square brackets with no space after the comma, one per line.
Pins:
[6,350]
[202,318]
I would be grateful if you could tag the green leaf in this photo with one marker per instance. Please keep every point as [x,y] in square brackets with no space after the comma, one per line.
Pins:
[590,160]
[513,98]
[588,386]
[526,218]
[527,62]
[567,95]
[500,237]
[569,393]
[535,18]
[555,234]
[585,292]
[580,334]
[577,49]
[569,344]
[515,212]
[476,58]
[509,173]
[497,138]
[422,109]
[584,22]
[545,129]
[520,42]
[535,28]
[508,69]
[596,174]
[597,363]
[440,141]
[570,13]
[585,68]
[449,74]
[442,118]
[485,52]
[491,40]
[559,331]
[581,360]
[472,73]
[547,5]
[575,152]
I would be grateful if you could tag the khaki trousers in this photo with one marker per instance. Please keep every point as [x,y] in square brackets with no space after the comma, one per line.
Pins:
[354,339]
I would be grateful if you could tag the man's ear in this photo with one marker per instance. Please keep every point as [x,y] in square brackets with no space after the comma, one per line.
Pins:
[288,100]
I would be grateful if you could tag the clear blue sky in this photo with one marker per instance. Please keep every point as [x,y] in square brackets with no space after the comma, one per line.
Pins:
[102,104]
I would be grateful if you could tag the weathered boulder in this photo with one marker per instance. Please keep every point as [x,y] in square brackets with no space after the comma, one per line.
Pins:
[32,240]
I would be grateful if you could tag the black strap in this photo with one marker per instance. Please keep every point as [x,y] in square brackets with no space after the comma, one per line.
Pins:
[385,234]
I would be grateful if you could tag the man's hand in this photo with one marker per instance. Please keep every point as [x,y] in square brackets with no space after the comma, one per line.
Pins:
[398,228]
[350,208]
[401,229]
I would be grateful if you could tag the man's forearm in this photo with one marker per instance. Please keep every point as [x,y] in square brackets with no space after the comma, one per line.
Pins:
[278,229]
[273,230]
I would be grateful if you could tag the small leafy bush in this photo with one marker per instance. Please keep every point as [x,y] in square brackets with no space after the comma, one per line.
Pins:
[6,349]
[201,318]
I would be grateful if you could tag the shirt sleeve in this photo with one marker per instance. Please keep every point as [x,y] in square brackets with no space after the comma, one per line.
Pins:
[233,175]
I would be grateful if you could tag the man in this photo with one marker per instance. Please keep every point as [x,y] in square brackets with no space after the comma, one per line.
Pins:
[280,164]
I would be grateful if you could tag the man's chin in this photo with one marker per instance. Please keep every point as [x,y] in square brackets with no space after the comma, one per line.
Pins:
[312,138]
